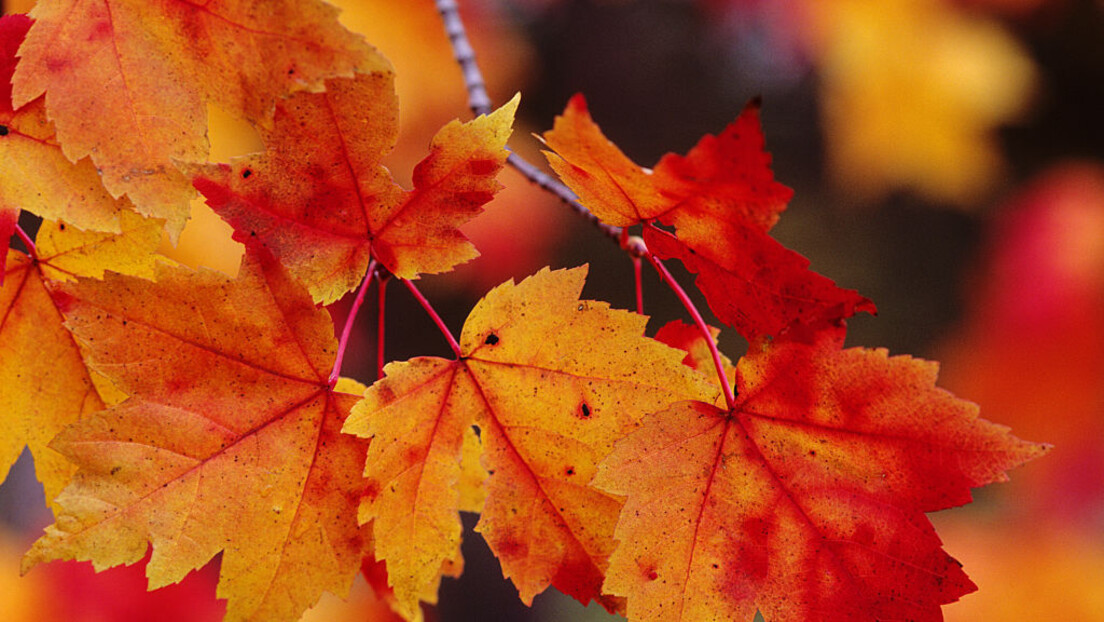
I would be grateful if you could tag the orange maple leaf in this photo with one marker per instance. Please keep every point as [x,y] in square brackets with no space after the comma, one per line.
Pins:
[551,382]
[128,82]
[44,382]
[230,441]
[806,500]
[725,181]
[34,174]
[721,199]
[321,200]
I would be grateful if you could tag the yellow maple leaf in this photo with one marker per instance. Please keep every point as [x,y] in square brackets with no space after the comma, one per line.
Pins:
[551,381]
[44,382]
[230,441]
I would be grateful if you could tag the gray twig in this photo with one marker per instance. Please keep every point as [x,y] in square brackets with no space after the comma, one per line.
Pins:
[480,103]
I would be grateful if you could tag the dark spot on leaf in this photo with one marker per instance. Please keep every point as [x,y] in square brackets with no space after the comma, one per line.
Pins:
[570,470]
[812,452]
[61,226]
[491,339]
[584,411]
[246,173]
[116,469]
[3,130]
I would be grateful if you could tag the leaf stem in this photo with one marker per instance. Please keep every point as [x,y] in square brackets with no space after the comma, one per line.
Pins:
[638,280]
[27,241]
[381,332]
[433,314]
[624,241]
[729,394]
[349,320]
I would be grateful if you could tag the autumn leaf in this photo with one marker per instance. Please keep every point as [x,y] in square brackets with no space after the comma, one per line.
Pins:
[44,382]
[725,181]
[34,346]
[127,82]
[721,199]
[807,500]
[758,286]
[230,442]
[322,202]
[34,175]
[551,382]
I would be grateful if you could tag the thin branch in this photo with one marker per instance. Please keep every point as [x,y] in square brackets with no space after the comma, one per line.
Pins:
[478,100]
[27,241]
[349,319]
[433,314]
[480,103]
[730,395]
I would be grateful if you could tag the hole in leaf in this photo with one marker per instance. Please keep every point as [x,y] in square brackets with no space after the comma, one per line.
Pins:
[491,339]
[584,411]
[246,173]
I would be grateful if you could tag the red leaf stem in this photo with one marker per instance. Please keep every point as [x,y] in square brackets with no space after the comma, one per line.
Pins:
[434,315]
[730,395]
[637,279]
[381,332]
[27,241]
[349,319]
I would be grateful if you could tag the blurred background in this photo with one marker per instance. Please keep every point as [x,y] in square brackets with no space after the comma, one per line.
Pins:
[948,162]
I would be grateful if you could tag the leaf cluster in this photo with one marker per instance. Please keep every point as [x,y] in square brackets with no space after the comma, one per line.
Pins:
[203,415]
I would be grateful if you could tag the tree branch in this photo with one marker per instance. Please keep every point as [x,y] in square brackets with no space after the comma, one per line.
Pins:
[480,103]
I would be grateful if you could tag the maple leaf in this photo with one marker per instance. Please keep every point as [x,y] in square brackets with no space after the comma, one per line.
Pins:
[44,382]
[551,382]
[34,174]
[725,181]
[321,200]
[758,286]
[128,81]
[721,198]
[806,500]
[230,441]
